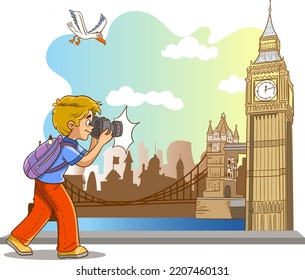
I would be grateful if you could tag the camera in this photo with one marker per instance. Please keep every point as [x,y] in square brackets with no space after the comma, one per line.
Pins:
[101,123]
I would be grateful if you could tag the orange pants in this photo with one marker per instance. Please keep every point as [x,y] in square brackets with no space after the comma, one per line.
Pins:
[48,197]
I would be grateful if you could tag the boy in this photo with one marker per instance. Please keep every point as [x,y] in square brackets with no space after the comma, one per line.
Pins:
[72,117]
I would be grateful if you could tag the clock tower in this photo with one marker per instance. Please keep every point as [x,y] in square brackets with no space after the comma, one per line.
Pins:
[269,112]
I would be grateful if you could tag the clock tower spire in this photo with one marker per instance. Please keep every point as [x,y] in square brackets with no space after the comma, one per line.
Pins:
[269,43]
[269,112]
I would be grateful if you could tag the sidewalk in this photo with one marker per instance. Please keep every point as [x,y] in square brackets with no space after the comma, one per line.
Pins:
[176,237]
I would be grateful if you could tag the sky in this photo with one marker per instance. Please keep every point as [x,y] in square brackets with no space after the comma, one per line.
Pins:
[29,85]
[168,82]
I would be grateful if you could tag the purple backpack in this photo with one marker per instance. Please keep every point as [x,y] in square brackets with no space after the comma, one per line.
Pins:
[39,161]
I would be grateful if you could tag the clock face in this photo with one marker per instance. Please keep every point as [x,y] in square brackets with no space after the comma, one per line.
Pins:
[265,90]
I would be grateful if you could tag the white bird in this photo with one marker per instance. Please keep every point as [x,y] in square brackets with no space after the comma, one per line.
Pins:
[80,30]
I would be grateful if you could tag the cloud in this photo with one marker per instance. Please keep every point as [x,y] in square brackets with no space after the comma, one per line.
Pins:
[232,85]
[189,47]
[126,96]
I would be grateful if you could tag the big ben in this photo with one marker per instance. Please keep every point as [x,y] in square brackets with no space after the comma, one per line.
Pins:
[269,112]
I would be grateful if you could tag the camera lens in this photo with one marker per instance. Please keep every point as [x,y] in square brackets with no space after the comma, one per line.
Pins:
[117,128]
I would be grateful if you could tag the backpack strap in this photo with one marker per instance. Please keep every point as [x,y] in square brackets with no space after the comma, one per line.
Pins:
[60,166]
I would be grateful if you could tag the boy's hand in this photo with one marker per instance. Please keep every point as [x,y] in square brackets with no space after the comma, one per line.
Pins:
[105,136]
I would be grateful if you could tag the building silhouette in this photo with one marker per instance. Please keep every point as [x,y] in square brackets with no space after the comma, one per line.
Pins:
[117,188]
[128,173]
[175,151]
[180,169]
[123,188]
[150,179]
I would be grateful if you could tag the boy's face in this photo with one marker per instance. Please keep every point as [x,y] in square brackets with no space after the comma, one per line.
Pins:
[85,128]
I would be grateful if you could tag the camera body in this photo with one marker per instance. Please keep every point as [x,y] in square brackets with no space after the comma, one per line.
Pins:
[101,123]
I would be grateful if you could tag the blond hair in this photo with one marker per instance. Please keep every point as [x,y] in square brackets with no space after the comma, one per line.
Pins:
[72,108]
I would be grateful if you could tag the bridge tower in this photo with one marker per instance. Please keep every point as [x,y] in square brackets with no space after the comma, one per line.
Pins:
[222,155]
[269,113]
